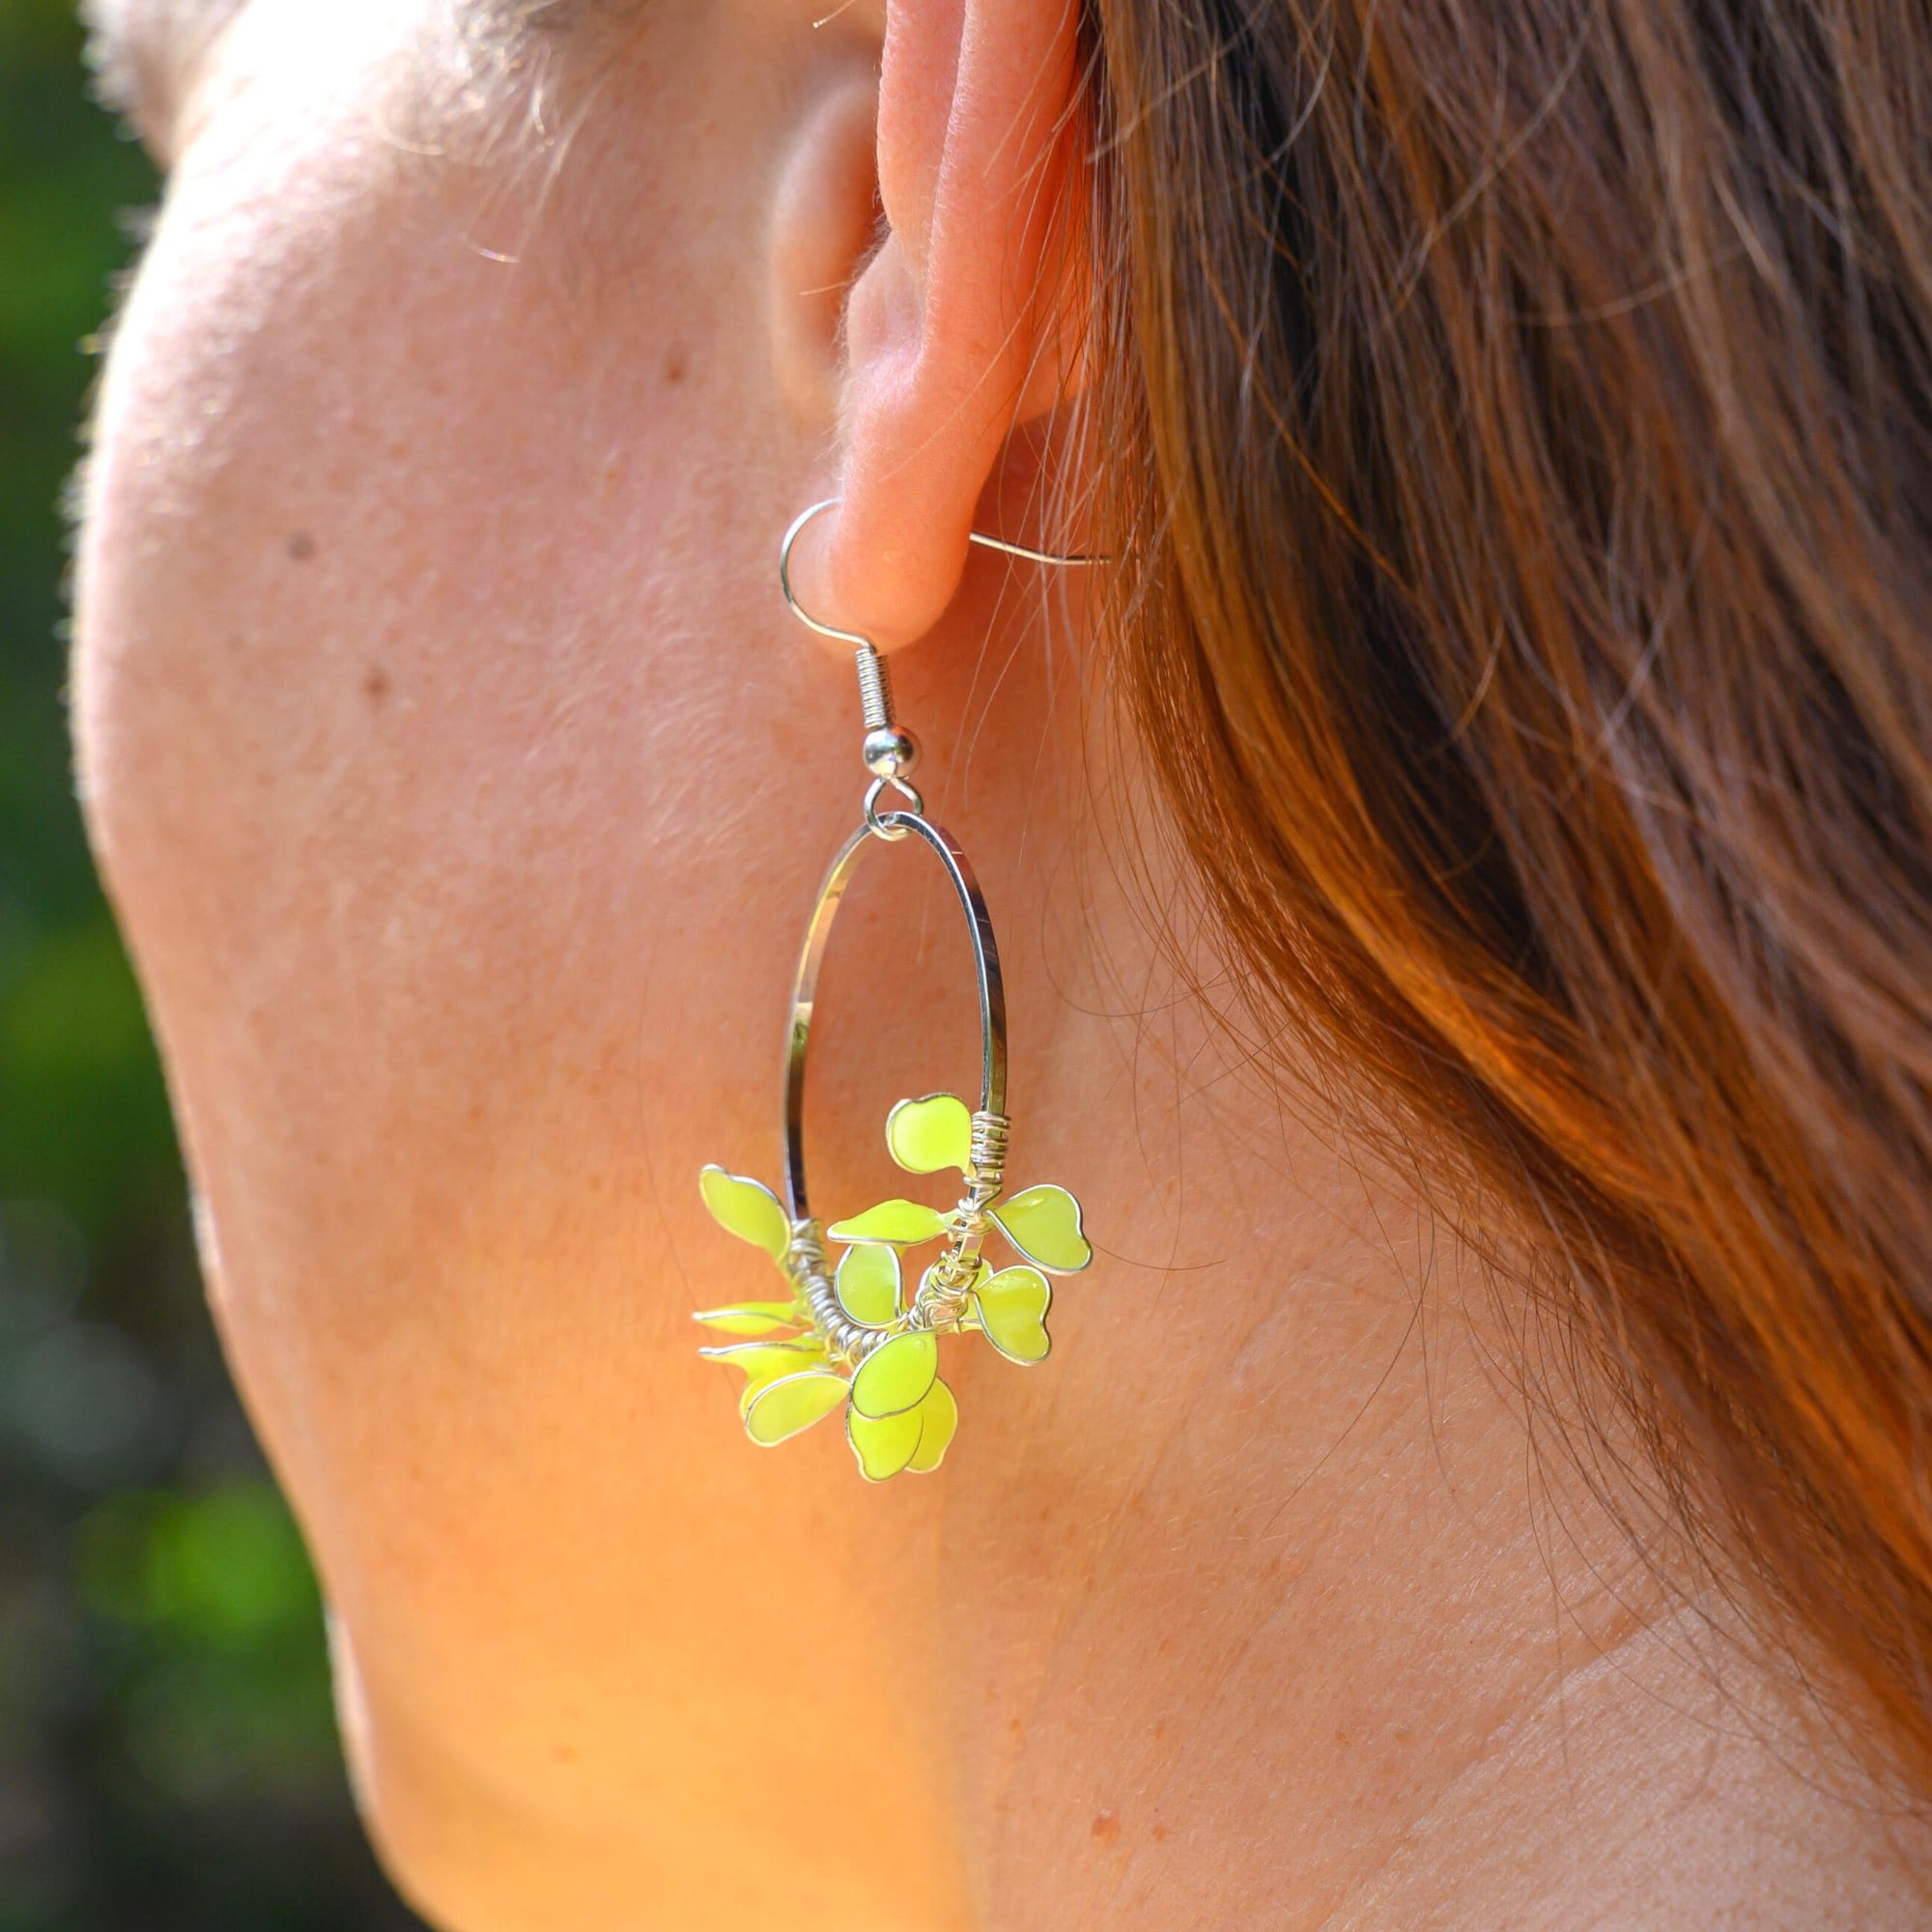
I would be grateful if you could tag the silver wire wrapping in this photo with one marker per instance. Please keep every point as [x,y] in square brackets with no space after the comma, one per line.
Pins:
[990,1151]
[941,1303]
[942,1300]
[876,690]
[846,1342]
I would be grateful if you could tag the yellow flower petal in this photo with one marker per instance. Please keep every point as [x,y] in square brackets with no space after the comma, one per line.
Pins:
[930,1134]
[1044,1223]
[752,1317]
[896,1375]
[747,1208]
[883,1444]
[779,1410]
[1012,1307]
[765,1361]
[938,1417]
[902,1223]
[868,1283]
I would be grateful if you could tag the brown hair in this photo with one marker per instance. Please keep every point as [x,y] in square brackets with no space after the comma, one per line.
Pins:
[1520,417]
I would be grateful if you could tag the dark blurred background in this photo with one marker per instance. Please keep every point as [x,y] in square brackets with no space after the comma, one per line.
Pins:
[168,1754]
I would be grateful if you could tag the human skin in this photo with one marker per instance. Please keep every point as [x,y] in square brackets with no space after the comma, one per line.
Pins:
[463,783]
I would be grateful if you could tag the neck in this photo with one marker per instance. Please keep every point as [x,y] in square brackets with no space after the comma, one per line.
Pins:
[1306,1618]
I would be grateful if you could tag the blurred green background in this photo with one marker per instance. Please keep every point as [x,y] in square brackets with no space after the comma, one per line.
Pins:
[167,1753]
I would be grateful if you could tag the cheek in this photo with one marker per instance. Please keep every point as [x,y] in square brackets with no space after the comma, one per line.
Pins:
[412,610]
[380,805]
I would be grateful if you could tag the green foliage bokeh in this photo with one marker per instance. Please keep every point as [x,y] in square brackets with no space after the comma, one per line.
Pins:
[168,1754]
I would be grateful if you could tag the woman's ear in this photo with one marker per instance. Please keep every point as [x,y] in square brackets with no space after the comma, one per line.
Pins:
[957,326]
[825,221]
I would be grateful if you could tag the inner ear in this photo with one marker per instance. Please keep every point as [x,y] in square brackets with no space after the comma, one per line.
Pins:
[826,222]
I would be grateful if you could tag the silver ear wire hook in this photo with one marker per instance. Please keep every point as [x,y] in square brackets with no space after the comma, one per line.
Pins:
[889,750]
[1060,560]
[798,609]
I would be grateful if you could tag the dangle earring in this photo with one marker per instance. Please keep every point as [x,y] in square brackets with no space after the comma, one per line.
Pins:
[848,1336]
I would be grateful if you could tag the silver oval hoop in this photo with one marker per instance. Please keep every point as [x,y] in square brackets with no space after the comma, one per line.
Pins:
[804,986]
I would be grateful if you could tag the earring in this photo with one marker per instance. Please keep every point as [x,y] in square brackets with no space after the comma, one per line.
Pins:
[847,1336]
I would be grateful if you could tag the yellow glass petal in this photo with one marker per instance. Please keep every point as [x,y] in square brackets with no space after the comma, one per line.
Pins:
[747,1208]
[1044,1223]
[869,1284]
[902,1223]
[928,1134]
[938,1417]
[766,1361]
[883,1444]
[752,1317]
[896,1375]
[1013,1311]
[779,1410]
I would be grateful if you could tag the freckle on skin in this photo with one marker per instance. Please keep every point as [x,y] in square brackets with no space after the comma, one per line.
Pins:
[376,684]
[1106,1828]
[1159,1835]
[301,545]
[675,364]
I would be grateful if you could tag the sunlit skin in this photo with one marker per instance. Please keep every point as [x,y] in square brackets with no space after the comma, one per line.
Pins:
[462,786]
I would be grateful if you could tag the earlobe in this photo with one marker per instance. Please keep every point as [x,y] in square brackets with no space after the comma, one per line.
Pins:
[957,331]
[825,222]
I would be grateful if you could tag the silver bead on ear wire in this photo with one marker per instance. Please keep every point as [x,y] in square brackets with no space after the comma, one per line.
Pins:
[889,750]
